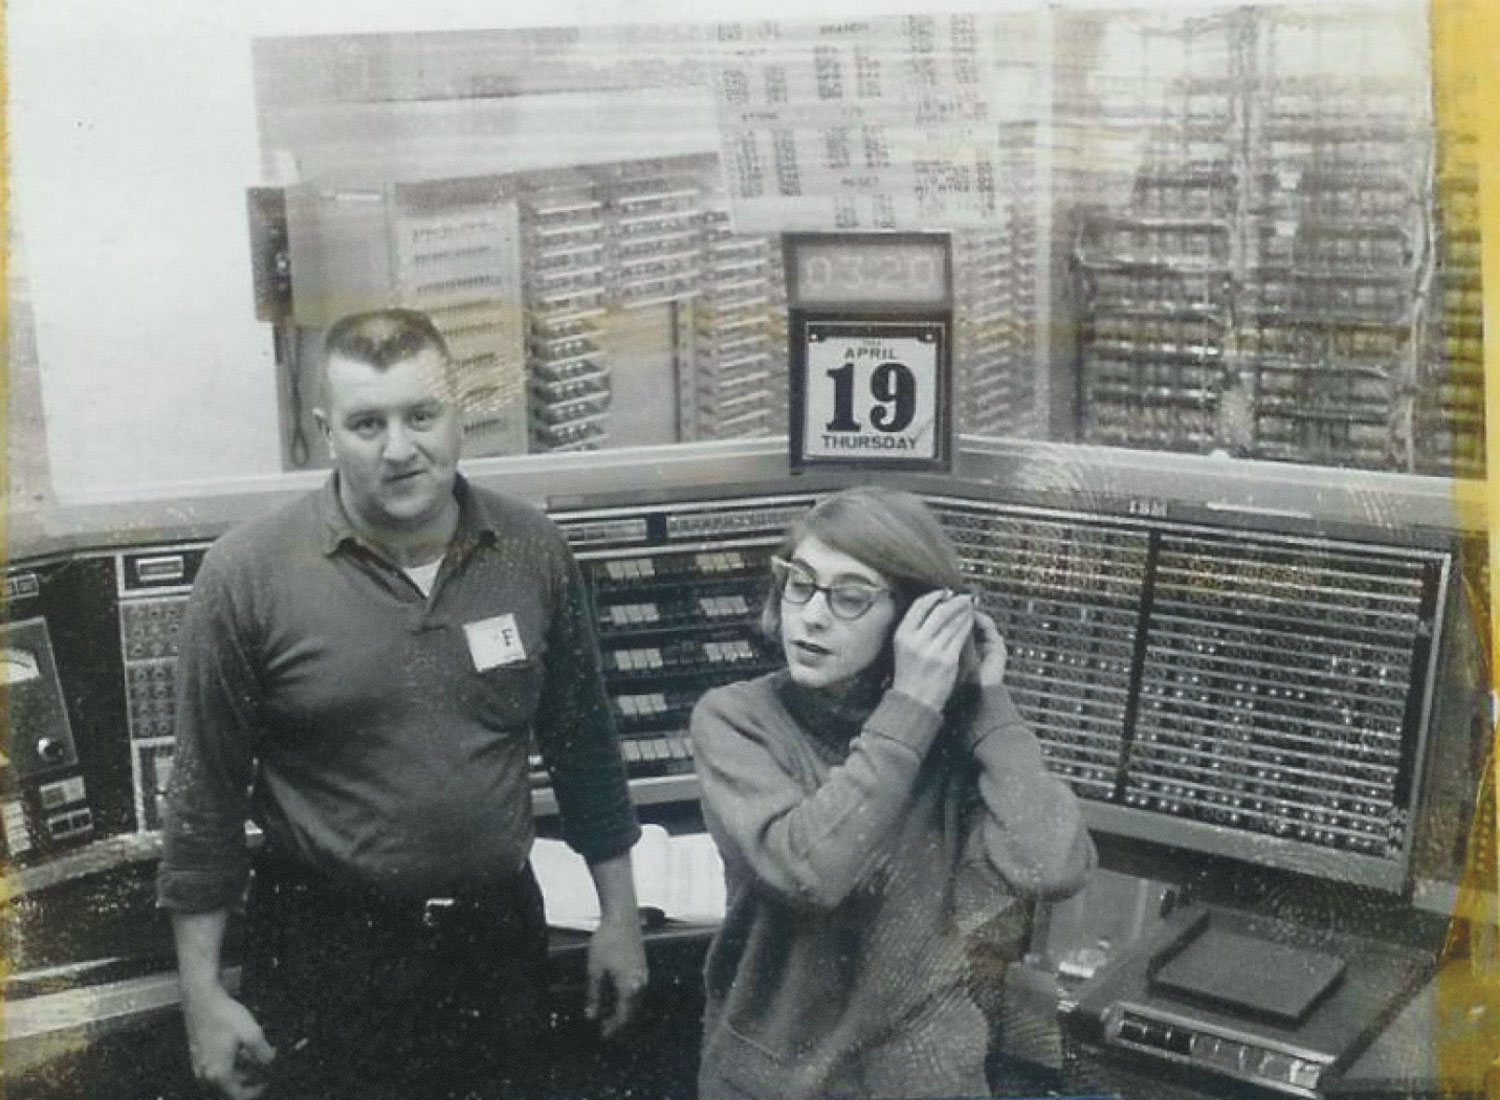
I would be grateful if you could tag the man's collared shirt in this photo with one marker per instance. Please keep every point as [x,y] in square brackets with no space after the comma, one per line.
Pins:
[377,734]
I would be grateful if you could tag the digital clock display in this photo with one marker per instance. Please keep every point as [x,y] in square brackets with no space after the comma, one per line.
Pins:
[881,269]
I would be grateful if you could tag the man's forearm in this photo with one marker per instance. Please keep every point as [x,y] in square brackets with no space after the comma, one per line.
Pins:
[228,1049]
[617,956]
[200,943]
[615,885]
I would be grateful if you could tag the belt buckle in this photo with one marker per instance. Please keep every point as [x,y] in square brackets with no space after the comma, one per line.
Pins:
[433,910]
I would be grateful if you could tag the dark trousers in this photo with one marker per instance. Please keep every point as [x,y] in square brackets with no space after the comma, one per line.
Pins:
[367,997]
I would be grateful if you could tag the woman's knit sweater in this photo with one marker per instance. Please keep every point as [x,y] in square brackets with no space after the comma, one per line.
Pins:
[862,840]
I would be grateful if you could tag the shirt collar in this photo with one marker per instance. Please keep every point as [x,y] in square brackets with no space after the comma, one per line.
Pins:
[476,523]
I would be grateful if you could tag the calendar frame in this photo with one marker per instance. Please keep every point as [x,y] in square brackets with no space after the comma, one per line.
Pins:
[860,313]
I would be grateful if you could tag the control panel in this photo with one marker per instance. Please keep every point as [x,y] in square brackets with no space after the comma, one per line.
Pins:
[153,591]
[1184,1040]
[65,777]
[1259,694]
[41,753]
[1243,693]
[678,590]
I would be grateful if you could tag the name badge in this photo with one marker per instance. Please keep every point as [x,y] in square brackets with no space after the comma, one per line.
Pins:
[495,642]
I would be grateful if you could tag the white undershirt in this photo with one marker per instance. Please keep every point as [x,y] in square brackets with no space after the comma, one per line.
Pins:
[423,576]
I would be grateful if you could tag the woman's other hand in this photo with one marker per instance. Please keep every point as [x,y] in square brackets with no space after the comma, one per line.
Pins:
[992,652]
[928,644]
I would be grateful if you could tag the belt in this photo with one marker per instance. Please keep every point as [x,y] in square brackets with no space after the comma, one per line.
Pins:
[288,879]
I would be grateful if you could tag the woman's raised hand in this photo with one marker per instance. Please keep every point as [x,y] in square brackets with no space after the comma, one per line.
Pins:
[992,652]
[928,644]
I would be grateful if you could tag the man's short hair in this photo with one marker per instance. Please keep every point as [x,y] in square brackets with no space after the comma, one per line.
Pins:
[381,337]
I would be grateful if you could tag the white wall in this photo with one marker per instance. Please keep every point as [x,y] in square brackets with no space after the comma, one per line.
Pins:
[133,138]
[130,156]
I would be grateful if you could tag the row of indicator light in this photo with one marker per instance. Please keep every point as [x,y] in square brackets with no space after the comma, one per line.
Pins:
[649,705]
[648,614]
[1277,793]
[721,561]
[649,749]
[730,652]
[1249,758]
[630,569]
[719,607]
[60,826]
[750,519]
[651,658]
[715,563]
[1249,817]
[632,614]
[637,660]
[1223,1054]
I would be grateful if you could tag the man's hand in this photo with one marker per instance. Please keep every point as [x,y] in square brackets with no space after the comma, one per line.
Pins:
[617,956]
[228,1049]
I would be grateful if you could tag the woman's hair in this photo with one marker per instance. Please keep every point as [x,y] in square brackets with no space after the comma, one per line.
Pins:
[890,531]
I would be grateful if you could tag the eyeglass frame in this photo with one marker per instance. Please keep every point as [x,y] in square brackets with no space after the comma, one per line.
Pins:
[781,569]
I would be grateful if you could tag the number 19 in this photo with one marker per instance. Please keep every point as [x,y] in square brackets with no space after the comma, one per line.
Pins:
[893,388]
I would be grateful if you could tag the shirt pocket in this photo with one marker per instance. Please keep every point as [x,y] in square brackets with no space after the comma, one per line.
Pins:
[506,695]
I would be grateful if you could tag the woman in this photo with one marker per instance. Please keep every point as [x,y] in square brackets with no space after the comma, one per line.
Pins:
[874,802]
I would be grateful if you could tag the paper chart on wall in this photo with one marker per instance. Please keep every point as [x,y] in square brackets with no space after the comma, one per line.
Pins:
[883,124]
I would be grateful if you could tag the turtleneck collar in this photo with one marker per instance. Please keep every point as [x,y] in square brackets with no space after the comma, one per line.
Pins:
[833,716]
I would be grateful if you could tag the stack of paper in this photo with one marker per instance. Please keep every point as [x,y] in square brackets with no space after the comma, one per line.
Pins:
[679,877]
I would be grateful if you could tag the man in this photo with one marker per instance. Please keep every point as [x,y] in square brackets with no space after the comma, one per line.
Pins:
[362,674]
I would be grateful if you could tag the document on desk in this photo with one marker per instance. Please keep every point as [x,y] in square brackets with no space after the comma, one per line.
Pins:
[679,877]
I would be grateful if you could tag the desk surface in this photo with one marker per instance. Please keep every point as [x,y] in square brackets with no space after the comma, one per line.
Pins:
[1444,1039]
